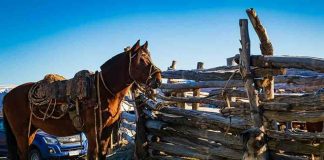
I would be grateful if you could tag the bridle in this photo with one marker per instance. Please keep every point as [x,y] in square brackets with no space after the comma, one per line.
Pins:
[153,70]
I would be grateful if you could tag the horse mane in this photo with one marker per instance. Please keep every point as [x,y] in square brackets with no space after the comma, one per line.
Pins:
[111,62]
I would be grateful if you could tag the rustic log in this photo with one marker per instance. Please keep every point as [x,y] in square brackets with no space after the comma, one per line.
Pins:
[247,75]
[207,118]
[203,84]
[219,151]
[217,93]
[301,80]
[310,63]
[294,147]
[297,88]
[307,102]
[179,150]
[149,113]
[127,125]
[199,75]
[208,138]
[308,116]
[223,68]
[233,111]
[141,147]
[220,103]
[128,116]
[228,140]
[154,124]
[266,48]
[282,156]
[128,138]
[170,91]
[299,136]
[166,134]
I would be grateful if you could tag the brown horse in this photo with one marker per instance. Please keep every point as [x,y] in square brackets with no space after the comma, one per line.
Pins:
[118,75]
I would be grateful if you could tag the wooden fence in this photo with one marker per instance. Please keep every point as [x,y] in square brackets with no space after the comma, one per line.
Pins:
[250,99]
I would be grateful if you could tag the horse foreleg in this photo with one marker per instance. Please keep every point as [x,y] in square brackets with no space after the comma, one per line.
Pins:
[92,153]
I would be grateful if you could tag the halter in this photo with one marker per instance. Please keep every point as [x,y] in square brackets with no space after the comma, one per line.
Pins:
[153,70]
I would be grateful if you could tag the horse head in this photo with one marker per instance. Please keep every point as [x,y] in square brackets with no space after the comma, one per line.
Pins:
[141,67]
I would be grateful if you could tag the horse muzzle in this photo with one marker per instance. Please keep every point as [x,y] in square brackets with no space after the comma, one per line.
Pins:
[155,81]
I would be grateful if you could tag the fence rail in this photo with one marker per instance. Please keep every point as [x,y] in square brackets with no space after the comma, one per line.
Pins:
[274,90]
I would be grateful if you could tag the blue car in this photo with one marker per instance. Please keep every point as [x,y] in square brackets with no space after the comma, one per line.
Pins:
[46,146]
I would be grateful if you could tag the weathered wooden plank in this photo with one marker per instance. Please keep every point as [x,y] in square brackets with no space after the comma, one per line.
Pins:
[203,84]
[127,125]
[202,153]
[309,116]
[201,75]
[200,117]
[220,103]
[154,124]
[299,136]
[297,88]
[294,147]
[307,102]
[179,150]
[306,81]
[228,140]
[231,111]
[217,93]
[220,151]
[128,116]
[281,156]
[223,68]
[128,138]
[310,63]
[301,80]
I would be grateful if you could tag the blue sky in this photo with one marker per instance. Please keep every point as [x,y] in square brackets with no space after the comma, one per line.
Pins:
[65,36]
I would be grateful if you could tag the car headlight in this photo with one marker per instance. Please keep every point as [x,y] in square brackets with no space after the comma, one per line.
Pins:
[50,140]
[84,138]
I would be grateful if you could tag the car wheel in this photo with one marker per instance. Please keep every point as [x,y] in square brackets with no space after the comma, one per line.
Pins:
[34,154]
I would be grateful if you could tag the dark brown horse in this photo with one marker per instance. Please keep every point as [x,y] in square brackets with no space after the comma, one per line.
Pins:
[118,75]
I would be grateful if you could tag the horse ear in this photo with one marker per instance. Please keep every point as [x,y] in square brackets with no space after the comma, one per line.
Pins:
[136,46]
[145,45]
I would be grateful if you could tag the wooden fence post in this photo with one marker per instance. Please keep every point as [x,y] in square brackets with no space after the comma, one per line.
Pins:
[141,145]
[255,134]
[196,92]
[177,94]
[266,50]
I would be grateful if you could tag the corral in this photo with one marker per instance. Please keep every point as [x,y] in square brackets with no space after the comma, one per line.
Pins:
[266,107]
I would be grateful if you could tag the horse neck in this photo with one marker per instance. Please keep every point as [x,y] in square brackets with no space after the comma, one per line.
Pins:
[117,80]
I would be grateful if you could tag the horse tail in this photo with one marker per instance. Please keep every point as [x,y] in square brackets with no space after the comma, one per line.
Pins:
[10,138]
